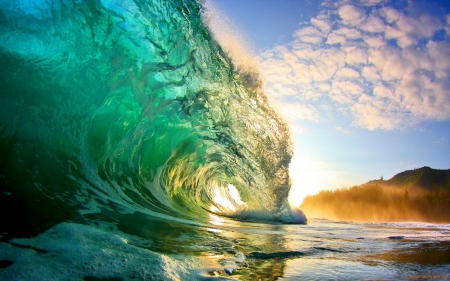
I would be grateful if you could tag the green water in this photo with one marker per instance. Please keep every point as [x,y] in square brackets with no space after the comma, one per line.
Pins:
[131,106]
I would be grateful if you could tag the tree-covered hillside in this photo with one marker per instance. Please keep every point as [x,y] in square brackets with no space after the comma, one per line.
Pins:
[416,195]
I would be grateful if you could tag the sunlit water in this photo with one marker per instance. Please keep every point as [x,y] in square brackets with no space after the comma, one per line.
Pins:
[330,250]
[224,248]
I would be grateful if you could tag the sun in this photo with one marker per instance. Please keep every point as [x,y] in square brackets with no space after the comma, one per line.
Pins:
[310,176]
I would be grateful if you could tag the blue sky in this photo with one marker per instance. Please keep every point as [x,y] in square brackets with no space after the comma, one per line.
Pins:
[365,85]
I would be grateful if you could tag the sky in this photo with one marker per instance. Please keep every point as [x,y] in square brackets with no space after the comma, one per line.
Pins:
[364,84]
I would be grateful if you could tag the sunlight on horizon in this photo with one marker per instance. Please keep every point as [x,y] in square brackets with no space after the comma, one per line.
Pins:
[310,176]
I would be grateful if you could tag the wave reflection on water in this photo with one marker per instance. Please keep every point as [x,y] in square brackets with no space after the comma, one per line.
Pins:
[227,248]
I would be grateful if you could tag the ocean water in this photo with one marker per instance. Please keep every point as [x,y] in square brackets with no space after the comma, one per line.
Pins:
[132,148]
[227,249]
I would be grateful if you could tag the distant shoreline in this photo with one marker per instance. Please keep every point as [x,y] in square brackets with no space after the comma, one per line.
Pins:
[416,195]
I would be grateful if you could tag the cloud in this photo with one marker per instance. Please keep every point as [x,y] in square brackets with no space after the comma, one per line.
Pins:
[293,112]
[374,42]
[356,55]
[342,130]
[373,25]
[335,38]
[349,33]
[311,39]
[382,67]
[439,53]
[370,73]
[351,15]
[346,73]
[390,14]
[307,31]
[348,87]
[321,25]
[393,33]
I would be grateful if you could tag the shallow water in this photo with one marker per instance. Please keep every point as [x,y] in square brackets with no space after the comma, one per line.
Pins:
[224,248]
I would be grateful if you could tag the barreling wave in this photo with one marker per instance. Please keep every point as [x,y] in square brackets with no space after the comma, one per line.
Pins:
[131,106]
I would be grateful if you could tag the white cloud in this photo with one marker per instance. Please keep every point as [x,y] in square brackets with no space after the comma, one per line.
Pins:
[374,25]
[323,87]
[374,41]
[342,130]
[389,63]
[391,15]
[311,39]
[406,24]
[293,112]
[370,73]
[381,91]
[348,87]
[321,25]
[335,38]
[356,56]
[393,33]
[349,33]
[425,26]
[350,66]
[440,55]
[373,115]
[406,41]
[307,31]
[346,72]
[351,15]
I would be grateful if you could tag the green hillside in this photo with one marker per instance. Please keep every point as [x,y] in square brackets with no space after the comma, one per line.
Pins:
[416,195]
[425,178]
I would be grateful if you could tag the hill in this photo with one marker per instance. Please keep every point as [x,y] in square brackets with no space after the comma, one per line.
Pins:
[416,195]
[424,178]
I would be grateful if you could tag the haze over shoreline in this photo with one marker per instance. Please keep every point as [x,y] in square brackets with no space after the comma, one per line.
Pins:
[416,195]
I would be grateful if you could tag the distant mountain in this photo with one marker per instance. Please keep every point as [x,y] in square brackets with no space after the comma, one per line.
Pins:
[425,178]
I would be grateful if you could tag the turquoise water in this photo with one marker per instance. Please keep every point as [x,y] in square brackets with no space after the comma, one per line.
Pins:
[131,107]
[131,148]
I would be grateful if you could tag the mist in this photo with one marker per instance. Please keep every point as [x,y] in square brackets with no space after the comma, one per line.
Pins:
[375,202]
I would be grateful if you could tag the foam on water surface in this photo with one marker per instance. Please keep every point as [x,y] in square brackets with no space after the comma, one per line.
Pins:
[72,251]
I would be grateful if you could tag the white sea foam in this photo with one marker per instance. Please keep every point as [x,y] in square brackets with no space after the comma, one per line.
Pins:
[239,257]
[71,251]
[410,224]
[285,215]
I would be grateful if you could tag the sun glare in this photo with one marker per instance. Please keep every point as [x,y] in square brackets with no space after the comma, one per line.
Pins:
[235,194]
[222,200]
[310,176]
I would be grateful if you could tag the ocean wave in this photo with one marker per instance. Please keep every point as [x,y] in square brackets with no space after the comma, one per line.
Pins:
[113,108]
